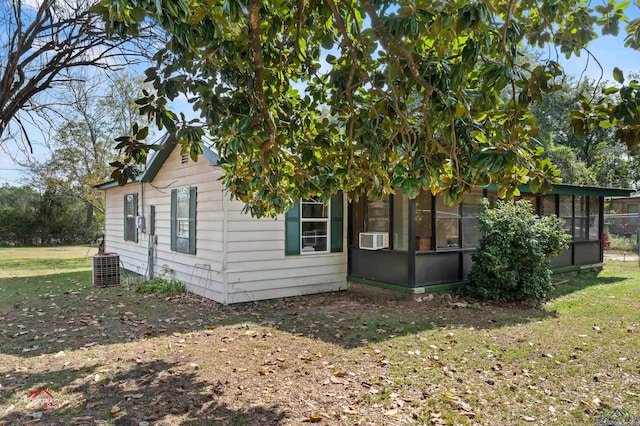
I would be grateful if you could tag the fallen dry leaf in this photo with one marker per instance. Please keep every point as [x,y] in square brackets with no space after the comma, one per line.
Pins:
[82,420]
[315,418]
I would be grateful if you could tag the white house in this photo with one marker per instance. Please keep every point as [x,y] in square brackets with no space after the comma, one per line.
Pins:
[177,217]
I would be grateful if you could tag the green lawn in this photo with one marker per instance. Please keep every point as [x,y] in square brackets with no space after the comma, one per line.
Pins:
[111,356]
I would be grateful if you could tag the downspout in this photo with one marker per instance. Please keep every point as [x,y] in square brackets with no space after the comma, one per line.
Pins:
[225,244]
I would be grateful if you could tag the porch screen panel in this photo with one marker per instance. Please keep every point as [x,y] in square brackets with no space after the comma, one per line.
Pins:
[580,221]
[549,205]
[400,222]
[447,224]
[378,215]
[424,231]
[594,218]
[566,212]
[471,208]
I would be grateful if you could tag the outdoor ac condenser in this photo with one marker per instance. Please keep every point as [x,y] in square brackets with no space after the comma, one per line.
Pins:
[374,240]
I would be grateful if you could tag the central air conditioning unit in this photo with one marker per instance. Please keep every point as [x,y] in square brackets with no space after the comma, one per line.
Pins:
[374,240]
[106,270]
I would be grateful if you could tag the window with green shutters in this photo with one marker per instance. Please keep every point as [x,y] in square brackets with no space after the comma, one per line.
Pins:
[130,214]
[315,227]
[183,220]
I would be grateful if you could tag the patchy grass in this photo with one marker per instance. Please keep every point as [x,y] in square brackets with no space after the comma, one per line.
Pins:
[160,286]
[112,356]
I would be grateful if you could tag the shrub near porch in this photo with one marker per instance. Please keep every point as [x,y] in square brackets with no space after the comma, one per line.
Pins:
[512,262]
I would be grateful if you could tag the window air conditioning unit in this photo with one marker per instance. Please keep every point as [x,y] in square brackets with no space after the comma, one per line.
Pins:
[374,240]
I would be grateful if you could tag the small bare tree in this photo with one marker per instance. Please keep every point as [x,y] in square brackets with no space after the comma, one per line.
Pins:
[43,42]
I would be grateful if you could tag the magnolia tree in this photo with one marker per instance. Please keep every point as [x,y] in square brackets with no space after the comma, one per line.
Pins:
[303,99]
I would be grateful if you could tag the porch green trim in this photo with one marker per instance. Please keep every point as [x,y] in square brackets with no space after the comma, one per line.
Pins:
[437,288]
[434,288]
[564,189]
[380,284]
[576,268]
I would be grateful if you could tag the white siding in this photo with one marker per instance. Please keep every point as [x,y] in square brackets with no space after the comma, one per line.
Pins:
[258,268]
[254,266]
[202,272]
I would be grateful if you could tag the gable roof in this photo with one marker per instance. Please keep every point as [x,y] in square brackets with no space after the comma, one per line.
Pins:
[167,144]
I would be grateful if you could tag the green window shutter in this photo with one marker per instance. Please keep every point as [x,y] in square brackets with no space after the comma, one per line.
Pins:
[337,222]
[174,202]
[135,215]
[292,231]
[126,227]
[192,220]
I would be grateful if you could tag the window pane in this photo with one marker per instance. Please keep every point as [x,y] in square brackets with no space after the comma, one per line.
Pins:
[314,236]
[378,215]
[594,218]
[423,221]
[129,207]
[182,213]
[130,211]
[312,209]
[447,221]
[471,208]
[400,222]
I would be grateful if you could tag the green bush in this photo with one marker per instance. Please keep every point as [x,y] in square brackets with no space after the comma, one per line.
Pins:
[623,244]
[160,286]
[512,262]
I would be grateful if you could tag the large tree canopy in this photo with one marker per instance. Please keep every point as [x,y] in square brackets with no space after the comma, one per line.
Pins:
[306,98]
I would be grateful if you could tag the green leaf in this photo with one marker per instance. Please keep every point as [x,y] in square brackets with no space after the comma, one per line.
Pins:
[617,75]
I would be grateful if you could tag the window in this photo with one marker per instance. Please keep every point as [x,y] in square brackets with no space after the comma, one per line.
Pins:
[633,208]
[130,214]
[183,220]
[447,224]
[314,227]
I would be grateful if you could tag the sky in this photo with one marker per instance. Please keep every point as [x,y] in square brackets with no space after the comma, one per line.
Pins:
[609,51]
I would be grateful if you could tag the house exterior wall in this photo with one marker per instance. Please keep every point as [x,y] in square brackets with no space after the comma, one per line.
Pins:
[257,267]
[202,273]
[238,258]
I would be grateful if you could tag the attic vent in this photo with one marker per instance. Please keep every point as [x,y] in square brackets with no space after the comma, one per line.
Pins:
[184,158]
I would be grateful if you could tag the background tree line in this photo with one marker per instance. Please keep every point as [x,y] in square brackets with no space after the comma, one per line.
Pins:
[32,218]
